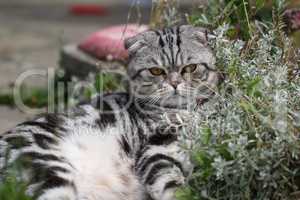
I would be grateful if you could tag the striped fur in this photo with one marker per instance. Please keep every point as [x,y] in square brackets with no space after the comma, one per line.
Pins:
[121,146]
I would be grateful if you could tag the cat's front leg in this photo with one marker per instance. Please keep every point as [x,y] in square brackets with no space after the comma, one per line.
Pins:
[165,186]
[163,169]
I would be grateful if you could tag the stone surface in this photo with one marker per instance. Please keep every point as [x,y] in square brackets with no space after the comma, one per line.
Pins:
[9,117]
[79,64]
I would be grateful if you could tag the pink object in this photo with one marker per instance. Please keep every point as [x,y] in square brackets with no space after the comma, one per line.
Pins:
[108,43]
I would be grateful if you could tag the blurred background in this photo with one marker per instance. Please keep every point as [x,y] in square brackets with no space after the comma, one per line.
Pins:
[32,32]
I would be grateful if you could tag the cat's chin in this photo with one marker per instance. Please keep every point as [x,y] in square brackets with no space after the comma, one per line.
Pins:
[175,101]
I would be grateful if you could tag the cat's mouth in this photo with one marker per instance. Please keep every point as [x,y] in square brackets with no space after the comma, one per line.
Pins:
[175,92]
[175,100]
[200,101]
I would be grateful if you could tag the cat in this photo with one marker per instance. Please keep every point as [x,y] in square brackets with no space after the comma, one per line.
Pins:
[122,146]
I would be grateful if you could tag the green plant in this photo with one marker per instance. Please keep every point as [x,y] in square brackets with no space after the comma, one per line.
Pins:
[241,15]
[39,97]
[108,82]
[33,97]
[164,13]
[93,85]
[11,188]
[248,141]
[6,99]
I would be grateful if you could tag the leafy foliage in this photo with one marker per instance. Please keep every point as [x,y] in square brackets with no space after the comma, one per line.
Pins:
[11,188]
[248,145]
[39,97]
[93,85]
[164,13]
[240,14]
[33,97]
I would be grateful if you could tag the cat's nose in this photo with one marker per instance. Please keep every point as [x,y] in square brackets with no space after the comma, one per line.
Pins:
[174,79]
[174,84]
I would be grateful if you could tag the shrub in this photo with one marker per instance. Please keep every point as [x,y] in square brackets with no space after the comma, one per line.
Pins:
[247,146]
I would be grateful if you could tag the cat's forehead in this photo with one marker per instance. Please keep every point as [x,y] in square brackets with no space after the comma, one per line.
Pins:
[170,48]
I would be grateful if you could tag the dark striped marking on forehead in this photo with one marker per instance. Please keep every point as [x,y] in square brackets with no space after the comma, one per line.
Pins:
[169,48]
[169,38]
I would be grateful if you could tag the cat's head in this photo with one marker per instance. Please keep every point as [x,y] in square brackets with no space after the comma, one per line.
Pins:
[172,67]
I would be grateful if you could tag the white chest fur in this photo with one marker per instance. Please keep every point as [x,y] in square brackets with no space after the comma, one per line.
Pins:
[100,169]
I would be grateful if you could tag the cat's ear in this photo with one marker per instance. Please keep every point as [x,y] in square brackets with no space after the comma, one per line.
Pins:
[133,44]
[196,33]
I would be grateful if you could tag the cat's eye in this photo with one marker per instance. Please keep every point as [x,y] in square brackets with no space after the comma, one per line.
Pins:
[189,68]
[156,71]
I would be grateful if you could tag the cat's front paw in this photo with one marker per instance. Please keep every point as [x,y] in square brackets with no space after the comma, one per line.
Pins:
[169,195]
[166,191]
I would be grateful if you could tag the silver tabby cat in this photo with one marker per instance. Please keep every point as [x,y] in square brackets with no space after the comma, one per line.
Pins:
[122,146]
